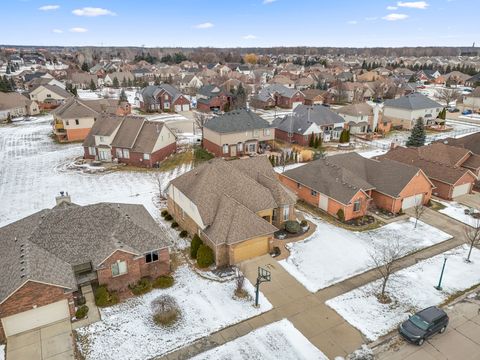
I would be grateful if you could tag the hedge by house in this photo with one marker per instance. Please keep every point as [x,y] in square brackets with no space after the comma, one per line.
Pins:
[341,215]
[205,256]
[195,244]
[104,298]
[81,312]
[163,282]
[292,226]
[143,286]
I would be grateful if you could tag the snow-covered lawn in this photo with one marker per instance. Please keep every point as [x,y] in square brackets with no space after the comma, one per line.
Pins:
[107,92]
[127,330]
[279,340]
[457,212]
[333,254]
[2,352]
[372,153]
[411,290]
[33,171]
[281,169]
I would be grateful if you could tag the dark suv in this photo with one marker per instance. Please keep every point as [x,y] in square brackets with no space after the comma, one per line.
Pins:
[424,324]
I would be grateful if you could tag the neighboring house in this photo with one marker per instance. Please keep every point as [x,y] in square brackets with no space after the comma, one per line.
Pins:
[473,81]
[35,82]
[314,96]
[470,142]
[237,133]
[405,111]
[450,181]
[14,105]
[234,206]
[304,83]
[213,98]
[306,120]
[130,140]
[362,117]
[49,96]
[190,83]
[278,95]
[47,256]
[83,80]
[74,119]
[472,100]
[353,183]
[163,97]
[124,77]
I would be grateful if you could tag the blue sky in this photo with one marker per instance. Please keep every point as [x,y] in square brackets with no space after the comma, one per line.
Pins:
[240,23]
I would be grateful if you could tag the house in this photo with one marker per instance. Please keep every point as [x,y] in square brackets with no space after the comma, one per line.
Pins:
[456,78]
[282,80]
[306,120]
[35,82]
[314,96]
[304,83]
[237,133]
[470,142]
[234,206]
[49,96]
[143,74]
[190,83]
[278,95]
[130,140]
[49,255]
[362,117]
[441,166]
[352,183]
[213,98]
[13,104]
[405,110]
[125,78]
[472,100]
[473,81]
[83,80]
[163,97]
[73,120]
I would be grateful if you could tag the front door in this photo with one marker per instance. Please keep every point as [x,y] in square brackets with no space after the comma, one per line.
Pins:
[233,150]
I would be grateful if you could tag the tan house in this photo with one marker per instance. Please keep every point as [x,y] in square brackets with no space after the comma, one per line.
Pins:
[14,105]
[49,96]
[234,206]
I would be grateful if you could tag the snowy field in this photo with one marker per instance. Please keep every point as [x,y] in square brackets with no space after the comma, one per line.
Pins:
[127,330]
[457,212]
[33,171]
[411,290]
[333,254]
[2,352]
[107,93]
[279,340]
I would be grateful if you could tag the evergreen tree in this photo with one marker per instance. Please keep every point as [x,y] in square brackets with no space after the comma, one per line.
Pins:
[85,66]
[123,96]
[417,135]
[92,86]
[241,97]
[115,82]
[317,142]
[124,82]
[129,82]
[74,91]
[311,142]
[7,71]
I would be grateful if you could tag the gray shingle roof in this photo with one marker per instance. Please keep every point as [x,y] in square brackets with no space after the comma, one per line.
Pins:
[414,101]
[268,91]
[236,121]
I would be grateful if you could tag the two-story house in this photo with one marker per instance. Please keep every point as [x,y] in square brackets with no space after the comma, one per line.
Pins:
[278,95]
[163,97]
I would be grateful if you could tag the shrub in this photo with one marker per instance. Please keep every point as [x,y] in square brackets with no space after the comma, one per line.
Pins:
[205,256]
[165,310]
[174,225]
[163,282]
[195,244]
[164,213]
[142,286]
[183,233]
[80,300]
[168,217]
[341,215]
[240,291]
[303,223]
[81,312]
[105,298]
[291,226]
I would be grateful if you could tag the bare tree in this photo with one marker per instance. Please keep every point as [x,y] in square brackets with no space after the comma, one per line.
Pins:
[384,259]
[419,209]
[448,95]
[157,179]
[200,121]
[472,234]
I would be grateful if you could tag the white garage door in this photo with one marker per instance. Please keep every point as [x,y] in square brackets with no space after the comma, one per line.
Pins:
[323,203]
[411,201]
[185,107]
[461,190]
[178,108]
[295,104]
[35,318]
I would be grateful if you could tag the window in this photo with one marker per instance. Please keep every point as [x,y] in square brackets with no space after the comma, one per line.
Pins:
[290,134]
[66,123]
[266,132]
[252,148]
[49,95]
[119,268]
[240,147]
[356,205]
[255,133]
[102,139]
[119,153]
[225,148]
[77,122]
[166,97]
[91,150]
[274,215]
[151,256]
[298,185]
[126,154]
[286,212]
[313,193]
[146,156]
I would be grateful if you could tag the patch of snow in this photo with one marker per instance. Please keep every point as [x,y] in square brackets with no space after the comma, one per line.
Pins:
[279,340]
[457,212]
[2,352]
[372,153]
[281,169]
[127,329]
[411,290]
[332,254]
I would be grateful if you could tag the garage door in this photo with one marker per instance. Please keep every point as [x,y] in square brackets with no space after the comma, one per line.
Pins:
[35,318]
[250,249]
[411,201]
[461,190]
[178,108]
[295,104]
[185,107]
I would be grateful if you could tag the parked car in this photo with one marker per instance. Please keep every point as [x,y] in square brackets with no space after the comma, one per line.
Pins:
[467,112]
[424,324]
[453,110]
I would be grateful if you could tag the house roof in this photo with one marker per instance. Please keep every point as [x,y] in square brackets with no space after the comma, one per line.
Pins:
[359,109]
[55,89]
[43,247]
[414,101]
[470,142]
[75,108]
[9,100]
[268,91]
[236,121]
[151,91]
[105,125]
[311,94]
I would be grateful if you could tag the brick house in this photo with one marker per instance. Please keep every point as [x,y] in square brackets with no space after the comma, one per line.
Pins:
[237,133]
[278,95]
[130,140]
[353,183]
[234,206]
[163,97]
[361,117]
[48,255]
[213,98]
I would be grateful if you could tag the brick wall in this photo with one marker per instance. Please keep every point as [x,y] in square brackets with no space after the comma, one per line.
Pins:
[77,134]
[185,222]
[30,294]
[296,138]
[213,148]
[136,158]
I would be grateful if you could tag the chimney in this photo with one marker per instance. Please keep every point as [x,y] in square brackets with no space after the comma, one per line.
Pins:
[63,197]
[376,111]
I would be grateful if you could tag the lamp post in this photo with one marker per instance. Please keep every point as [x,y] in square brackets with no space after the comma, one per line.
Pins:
[439,286]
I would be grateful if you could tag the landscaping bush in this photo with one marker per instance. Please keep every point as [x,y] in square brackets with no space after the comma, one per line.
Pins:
[195,244]
[168,217]
[143,286]
[165,310]
[104,298]
[205,256]
[293,227]
[163,282]
[341,215]
[303,223]
[174,225]
[81,312]
[183,233]
[164,213]
[80,300]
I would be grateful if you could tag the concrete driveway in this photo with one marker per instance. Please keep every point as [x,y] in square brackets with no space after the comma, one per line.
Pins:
[53,342]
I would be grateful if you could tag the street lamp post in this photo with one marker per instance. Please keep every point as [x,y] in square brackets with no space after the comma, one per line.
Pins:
[439,286]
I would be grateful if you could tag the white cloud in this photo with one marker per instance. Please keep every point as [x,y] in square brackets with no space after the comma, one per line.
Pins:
[352,22]
[205,25]
[413,4]
[268,1]
[57,31]
[92,12]
[249,37]
[78,30]
[392,8]
[48,7]
[395,17]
